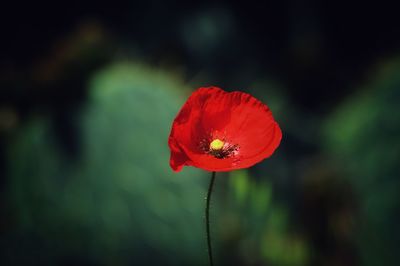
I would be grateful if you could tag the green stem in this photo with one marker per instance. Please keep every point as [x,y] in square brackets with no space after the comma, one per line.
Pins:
[210,188]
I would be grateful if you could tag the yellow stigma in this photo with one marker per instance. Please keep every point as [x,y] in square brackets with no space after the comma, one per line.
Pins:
[216,144]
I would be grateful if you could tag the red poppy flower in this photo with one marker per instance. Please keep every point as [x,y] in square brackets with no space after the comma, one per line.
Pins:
[221,131]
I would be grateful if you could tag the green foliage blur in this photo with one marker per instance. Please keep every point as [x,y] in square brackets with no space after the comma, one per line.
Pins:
[120,203]
[363,135]
[120,200]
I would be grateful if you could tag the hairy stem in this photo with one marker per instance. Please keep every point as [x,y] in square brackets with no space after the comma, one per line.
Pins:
[208,199]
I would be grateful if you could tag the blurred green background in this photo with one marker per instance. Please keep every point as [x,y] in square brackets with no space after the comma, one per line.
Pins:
[89,92]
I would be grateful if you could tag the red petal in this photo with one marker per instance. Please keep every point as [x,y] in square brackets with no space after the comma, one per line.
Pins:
[237,117]
[178,157]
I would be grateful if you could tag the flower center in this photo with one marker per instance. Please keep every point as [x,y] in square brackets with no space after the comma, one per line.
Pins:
[220,149]
[216,145]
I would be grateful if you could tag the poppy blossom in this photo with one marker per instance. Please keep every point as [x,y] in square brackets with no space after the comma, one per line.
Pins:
[221,131]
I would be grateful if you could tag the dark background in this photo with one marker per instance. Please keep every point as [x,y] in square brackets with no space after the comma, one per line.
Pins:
[89,91]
